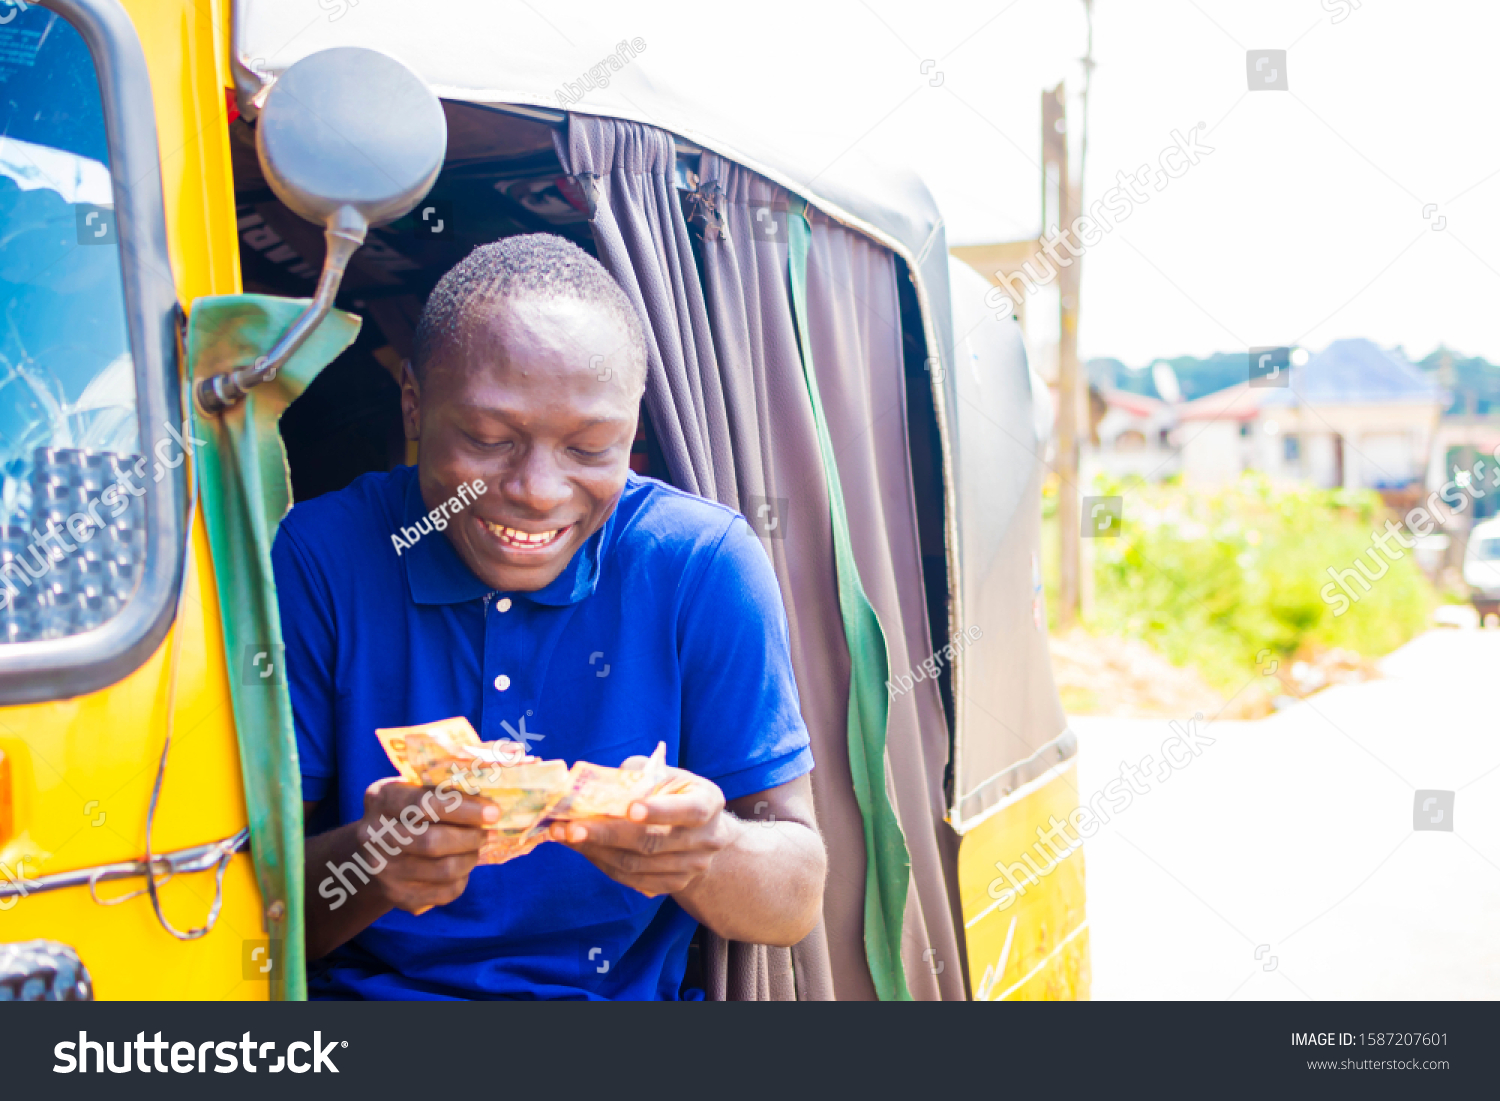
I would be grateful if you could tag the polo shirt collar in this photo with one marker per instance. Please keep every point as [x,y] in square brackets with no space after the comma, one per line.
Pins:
[435,574]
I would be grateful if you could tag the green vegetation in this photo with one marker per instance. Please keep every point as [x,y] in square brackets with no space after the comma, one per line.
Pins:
[1211,578]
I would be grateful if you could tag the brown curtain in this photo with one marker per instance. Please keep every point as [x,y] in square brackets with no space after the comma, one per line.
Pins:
[643,239]
[776,453]
[854,318]
[728,404]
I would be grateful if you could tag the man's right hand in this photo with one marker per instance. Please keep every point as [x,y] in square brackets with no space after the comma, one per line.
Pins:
[429,842]
[437,847]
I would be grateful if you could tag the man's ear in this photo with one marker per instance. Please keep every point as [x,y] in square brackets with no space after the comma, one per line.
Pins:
[411,402]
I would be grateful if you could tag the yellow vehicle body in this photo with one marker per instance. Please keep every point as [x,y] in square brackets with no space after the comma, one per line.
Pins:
[1027,932]
[81,770]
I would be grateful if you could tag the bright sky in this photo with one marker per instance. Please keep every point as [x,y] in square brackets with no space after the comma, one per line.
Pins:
[1303,226]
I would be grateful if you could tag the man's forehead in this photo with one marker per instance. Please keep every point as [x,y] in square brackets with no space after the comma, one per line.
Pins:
[550,337]
[551,319]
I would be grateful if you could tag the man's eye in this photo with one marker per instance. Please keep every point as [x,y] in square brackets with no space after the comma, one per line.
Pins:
[487,445]
[585,454]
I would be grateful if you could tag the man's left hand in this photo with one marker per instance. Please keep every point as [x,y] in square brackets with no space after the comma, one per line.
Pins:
[664,844]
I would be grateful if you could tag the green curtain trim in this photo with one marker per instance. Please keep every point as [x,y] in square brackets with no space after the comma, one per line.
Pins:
[246,491]
[888,863]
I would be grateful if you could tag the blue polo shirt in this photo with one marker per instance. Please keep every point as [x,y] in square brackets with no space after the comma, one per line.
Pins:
[666,626]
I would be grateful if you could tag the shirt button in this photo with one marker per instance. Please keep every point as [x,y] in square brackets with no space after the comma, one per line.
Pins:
[502,682]
[504,604]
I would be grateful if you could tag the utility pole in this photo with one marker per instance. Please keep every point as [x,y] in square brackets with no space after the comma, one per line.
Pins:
[1071,416]
[1084,410]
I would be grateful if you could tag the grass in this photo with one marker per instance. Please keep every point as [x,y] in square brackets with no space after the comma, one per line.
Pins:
[1228,578]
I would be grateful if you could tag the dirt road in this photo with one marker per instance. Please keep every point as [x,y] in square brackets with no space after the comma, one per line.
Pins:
[1281,860]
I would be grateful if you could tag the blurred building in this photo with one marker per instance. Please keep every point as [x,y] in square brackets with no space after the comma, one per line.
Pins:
[1353,416]
[1132,435]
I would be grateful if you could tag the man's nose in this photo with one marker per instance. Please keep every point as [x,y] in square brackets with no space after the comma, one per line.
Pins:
[536,483]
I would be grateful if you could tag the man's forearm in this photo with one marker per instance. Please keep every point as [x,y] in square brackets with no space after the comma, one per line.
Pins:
[765,887]
[330,925]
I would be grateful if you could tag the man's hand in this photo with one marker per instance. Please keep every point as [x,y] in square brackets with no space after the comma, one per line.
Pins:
[431,866]
[666,842]
[429,841]
[751,871]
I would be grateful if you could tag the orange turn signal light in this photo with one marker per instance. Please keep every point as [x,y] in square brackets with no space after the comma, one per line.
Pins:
[7,800]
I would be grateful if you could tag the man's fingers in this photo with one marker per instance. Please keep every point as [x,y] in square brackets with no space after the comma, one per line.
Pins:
[622,862]
[440,869]
[444,840]
[634,837]
[615,833]
[474,810]
[390,796]
[693,806]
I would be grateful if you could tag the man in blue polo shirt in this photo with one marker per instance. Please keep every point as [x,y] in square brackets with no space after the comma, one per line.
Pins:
[567,603]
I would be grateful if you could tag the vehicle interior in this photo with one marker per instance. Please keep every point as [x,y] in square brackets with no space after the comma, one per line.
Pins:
[501,177]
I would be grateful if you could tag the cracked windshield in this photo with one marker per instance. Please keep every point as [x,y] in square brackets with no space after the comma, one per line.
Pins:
[71,534]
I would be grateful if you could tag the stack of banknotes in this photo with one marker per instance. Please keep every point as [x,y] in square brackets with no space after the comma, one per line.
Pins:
[531,793]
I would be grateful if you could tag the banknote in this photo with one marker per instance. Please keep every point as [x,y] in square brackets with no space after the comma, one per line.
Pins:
[507,845]
[596,791]
[531,793]
[444,737]
[393,741]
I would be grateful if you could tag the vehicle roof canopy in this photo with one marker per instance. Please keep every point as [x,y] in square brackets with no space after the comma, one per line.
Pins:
[472,51]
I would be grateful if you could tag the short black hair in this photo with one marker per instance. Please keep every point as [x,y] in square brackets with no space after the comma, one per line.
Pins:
[531,265]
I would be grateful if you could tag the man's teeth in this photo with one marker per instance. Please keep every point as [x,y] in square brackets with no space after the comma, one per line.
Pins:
[523,538]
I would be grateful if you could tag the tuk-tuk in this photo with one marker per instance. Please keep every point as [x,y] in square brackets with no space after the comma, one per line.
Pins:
[209,290]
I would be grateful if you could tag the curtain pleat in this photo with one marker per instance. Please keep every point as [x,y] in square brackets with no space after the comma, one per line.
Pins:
[855,327]
[732,415]
[643,240]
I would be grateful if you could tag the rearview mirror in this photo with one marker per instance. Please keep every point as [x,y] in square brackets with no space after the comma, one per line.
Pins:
[348,138]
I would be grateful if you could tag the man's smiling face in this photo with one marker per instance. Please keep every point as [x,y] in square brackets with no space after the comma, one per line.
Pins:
[537,397]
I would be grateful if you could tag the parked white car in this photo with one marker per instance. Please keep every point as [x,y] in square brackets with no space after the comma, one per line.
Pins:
[1482,567]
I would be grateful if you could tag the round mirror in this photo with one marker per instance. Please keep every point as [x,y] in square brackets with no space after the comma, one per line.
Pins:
[351,127]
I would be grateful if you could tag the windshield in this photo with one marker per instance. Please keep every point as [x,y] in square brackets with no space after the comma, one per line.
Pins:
[71,532]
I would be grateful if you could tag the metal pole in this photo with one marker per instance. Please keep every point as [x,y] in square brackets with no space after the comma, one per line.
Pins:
[1085,412]
[1069,391]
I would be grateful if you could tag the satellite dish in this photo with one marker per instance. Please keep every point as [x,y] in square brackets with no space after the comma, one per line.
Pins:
[1165,381]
